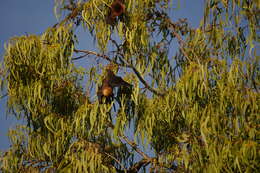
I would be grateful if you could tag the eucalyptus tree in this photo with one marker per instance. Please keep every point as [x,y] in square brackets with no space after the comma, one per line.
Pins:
[192,110]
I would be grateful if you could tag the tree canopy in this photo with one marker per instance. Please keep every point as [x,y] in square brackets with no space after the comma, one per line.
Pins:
[193,110]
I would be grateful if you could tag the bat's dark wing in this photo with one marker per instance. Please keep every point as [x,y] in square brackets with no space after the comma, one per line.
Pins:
[115,81]
[112,81]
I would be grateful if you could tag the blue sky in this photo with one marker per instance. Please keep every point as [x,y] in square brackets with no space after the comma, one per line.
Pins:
[19,17]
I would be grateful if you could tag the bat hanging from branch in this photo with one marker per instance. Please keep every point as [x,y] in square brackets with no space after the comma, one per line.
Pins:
[105,91]
[117,9]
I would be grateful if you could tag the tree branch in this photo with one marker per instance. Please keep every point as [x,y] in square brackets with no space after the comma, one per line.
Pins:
[145,161]
[116,160]
[138,165]
[146,84]
[87,52]
[134,146]
[180,41]
[3,95]
[82,56]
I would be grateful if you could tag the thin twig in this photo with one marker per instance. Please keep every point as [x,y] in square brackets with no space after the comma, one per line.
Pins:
[77,58]
[135,168]
[115,43]
[125,65]
[1,97]
[134,146]
[94,53]
[116,161]
[182,43]
[145,83]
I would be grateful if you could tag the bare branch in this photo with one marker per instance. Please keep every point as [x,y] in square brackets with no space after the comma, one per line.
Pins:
[3,96]
[96,54]
[180,41]
[134,146]
[125,65]
[138,165]
[77,58]
[146,84]
[116,160]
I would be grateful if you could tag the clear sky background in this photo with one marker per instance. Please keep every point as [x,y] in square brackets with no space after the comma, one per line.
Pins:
[20,17]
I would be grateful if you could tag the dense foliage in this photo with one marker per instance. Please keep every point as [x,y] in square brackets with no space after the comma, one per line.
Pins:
[194,110]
